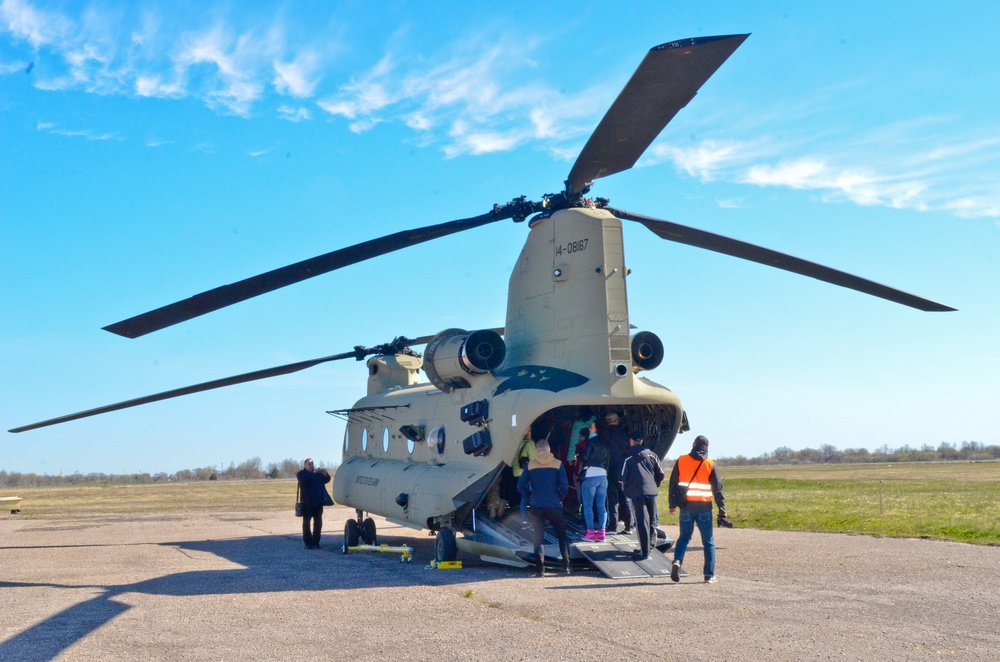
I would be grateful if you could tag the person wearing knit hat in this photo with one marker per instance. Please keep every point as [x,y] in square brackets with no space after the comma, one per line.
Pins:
[694,483]
[641,478]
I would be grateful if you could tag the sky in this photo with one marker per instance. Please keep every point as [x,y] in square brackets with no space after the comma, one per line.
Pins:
[150,151]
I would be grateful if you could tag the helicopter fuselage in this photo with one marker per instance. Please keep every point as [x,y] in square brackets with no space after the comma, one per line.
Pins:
[425,454]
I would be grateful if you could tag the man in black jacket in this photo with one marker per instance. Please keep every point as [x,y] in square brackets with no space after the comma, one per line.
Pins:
[642,475]
[619,506]
[313,496]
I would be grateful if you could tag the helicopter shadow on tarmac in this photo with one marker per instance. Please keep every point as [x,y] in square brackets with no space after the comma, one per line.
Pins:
[269,564]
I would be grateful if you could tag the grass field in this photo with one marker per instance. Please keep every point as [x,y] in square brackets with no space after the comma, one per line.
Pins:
[949,501]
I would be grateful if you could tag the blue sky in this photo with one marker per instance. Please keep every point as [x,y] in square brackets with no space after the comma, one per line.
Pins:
[151,151]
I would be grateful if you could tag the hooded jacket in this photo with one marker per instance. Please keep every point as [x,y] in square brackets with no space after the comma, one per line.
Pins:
[544,483]
[699,452]
[641,473]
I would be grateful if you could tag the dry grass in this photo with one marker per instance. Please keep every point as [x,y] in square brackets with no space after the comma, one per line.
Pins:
[210,495]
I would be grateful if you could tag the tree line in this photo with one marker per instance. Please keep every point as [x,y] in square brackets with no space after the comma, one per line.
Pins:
[254,468]
[251,469]
[967,451]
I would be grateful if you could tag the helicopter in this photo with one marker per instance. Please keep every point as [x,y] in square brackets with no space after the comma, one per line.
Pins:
[439,454]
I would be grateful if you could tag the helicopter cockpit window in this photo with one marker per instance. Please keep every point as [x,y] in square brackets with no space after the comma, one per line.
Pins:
[435,439]
[385,440]
[364,439]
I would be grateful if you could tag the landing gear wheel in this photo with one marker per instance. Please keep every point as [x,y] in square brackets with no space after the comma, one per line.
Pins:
[352,535]
[368,531]
[445,547]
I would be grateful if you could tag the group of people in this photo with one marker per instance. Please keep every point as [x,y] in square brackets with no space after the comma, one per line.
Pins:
[618,480]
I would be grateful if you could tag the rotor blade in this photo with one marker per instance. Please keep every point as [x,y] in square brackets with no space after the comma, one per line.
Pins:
[227,295]
[358,353]
[741,249]
[666,80]
[187,390]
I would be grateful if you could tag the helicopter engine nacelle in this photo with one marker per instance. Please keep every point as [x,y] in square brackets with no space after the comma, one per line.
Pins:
[455,355]
[647,351]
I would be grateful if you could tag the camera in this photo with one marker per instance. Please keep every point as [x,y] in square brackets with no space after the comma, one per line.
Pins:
[723,522]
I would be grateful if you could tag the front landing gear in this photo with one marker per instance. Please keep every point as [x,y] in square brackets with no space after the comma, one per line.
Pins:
[359,530]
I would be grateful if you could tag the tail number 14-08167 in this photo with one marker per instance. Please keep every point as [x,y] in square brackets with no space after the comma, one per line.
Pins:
[573,246]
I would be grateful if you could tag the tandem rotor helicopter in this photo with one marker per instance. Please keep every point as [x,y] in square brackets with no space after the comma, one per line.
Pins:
[431,455]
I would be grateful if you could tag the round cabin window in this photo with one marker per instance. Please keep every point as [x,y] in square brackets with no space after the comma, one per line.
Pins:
[364,439]
[385,440]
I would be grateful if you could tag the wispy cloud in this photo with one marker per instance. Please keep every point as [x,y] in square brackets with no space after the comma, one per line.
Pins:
[36,26]
[49,127]
[299,77]
[903,166]
[293,114]
[133,51]
[476,98]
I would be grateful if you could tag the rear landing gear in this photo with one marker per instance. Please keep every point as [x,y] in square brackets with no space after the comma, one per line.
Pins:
[445,547]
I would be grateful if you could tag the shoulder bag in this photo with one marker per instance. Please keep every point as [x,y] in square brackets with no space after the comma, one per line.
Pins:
[682,490]
[298,503]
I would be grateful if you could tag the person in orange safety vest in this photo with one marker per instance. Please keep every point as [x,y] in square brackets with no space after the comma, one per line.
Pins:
[694,482]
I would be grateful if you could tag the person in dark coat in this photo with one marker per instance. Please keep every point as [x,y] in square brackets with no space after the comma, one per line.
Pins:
[641,477]
[694,483]
[619,506]
[543,486]
[313,496]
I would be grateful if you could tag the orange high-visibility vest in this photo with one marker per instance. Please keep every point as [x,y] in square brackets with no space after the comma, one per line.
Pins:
[700,488]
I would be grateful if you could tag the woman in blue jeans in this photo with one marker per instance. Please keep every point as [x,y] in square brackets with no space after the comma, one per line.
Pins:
[594,487]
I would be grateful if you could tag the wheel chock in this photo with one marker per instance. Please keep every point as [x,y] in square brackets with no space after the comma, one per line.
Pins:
[445,565]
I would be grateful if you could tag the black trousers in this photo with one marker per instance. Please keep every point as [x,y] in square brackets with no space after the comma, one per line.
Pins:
[553,516]
[315,515]
[619,506]
[645,521]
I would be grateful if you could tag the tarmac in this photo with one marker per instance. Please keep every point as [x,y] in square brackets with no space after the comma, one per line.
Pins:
[228,586]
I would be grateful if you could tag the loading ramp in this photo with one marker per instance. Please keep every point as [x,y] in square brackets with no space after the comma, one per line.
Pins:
[504,541]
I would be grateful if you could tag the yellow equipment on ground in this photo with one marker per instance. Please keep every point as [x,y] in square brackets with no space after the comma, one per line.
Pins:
[445,565]
[406,552]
